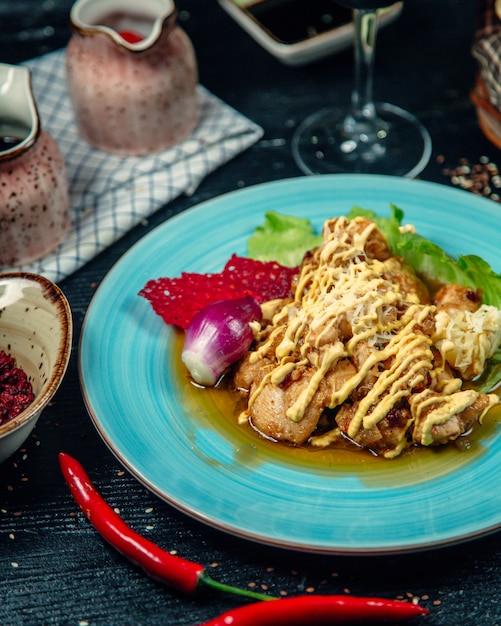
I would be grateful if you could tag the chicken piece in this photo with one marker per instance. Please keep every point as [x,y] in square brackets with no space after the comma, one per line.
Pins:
[394,432]
[360,355]
[365,438]
[330,334]
[449,417]
[248,372]
[388,437]
[457,298]
[410,285]
[267,414]
[375,246]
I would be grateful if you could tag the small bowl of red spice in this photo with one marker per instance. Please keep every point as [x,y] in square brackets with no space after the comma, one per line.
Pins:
[35,345]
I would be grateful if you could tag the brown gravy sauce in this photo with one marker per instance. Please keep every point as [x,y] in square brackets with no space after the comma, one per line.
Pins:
[215,408]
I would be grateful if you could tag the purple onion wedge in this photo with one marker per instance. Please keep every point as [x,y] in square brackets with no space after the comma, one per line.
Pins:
[218,336]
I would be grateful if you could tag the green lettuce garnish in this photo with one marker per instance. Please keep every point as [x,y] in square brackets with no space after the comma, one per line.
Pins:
[431,263]
[282,238]
[491,378]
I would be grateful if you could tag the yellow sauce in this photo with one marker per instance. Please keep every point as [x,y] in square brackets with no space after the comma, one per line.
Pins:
[341,284]
[214,408]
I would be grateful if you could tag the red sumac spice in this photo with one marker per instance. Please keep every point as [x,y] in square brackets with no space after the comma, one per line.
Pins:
[16,391]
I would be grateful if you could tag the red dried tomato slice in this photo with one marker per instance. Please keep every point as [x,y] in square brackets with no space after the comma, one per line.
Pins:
[177,300]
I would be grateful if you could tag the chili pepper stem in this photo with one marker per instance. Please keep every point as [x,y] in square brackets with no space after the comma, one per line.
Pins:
[237,591]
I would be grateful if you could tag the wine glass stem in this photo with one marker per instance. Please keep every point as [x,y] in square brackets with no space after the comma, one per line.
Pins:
[366,25]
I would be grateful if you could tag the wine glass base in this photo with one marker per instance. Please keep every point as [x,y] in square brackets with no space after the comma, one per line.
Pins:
[321,144]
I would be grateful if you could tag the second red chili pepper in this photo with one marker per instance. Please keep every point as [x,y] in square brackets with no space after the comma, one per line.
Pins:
[318,610]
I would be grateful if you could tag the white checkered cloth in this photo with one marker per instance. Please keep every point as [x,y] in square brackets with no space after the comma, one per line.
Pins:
[110,194]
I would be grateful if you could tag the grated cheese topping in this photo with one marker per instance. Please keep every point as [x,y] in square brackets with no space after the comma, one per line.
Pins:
[343,297]
[467,339]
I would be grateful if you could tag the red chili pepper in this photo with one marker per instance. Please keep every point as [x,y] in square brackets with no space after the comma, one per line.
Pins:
[318,610]
[130,36]
[176,572]
[186,575]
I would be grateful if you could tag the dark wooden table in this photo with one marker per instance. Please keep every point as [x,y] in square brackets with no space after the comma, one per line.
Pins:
[54,568]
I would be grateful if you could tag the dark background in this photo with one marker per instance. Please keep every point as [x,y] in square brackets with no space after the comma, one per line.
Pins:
[54,568]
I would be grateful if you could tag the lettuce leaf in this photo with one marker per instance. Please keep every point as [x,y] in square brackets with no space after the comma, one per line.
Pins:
[431,263]
[282,238]
[491,378]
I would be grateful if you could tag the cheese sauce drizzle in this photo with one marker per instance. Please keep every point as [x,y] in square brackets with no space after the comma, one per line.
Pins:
[344,298]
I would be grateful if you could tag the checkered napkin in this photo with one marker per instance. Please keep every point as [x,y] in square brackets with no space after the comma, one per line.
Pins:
[111,194]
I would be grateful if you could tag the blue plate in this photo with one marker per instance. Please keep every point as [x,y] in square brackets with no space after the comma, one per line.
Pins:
[183,443]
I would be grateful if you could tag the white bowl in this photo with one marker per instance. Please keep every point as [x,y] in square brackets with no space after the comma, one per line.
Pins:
[36,329]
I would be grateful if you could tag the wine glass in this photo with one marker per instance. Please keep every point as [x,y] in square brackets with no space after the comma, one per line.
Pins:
[366,137]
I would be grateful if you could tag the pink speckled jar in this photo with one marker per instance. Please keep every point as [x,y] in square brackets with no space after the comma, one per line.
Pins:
[34,196]
[132,75]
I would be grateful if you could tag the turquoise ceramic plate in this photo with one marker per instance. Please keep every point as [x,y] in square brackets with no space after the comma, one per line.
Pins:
[184,445]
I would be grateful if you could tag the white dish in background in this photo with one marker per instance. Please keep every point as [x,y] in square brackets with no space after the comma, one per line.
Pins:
[309,50]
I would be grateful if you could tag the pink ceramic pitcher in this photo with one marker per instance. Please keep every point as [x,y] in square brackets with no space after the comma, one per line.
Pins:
[132,75]
[34,198]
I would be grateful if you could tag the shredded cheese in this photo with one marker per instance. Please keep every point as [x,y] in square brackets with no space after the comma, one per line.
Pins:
[344,297]
[467,339]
